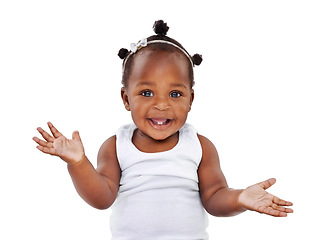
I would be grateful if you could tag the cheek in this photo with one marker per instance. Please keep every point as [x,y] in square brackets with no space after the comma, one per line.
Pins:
[183,108]
[138,106]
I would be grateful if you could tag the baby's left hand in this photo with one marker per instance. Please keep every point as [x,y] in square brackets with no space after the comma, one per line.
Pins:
[255,198]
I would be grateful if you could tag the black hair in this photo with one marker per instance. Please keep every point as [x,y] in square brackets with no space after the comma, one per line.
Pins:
[160,28]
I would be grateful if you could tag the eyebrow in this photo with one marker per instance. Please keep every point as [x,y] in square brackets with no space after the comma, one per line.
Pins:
[178,85]
[172,85]
[145,83]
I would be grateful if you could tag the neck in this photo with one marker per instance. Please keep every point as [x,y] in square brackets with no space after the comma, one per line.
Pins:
[147,144]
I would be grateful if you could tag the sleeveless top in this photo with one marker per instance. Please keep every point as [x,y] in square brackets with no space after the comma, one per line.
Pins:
[159,194]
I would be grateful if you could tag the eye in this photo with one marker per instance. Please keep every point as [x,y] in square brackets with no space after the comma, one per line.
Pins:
[175,94]
[147,93]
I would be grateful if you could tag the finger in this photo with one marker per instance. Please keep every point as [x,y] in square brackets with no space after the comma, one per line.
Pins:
[272,212]
[281,202]
[289,210]
[53,130]
[47,150]
[285,210]
[45,135]
[268,183]
[275,212]
[282,209]
[76,136]
[42,143]
[279,213]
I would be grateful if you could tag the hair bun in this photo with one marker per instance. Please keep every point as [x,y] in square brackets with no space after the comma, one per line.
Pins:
[160,27]
[197,59]
[123,53]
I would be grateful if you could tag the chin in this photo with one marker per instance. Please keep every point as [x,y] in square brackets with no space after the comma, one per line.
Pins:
[159,136]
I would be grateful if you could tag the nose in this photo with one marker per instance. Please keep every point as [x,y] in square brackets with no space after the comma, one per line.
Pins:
[162,104]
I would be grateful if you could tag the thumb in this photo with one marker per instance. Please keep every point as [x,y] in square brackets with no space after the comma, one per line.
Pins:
[76,136]
[268,183]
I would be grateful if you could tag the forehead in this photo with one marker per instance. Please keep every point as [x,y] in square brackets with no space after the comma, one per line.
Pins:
[160,65]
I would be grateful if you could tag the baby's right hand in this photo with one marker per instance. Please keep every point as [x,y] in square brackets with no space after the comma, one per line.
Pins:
[69,150]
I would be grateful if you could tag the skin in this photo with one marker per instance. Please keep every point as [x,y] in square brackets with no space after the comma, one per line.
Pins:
[158,93]
[159,96]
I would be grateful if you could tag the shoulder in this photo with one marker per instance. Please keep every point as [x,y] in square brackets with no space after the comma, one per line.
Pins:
[203,139]
[107,157]
[207,146]
[210,157]
[108,147]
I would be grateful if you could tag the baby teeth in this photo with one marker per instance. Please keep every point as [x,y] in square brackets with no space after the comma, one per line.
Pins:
[162,122]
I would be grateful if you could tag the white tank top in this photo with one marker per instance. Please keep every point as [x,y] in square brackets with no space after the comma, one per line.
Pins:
[159,194]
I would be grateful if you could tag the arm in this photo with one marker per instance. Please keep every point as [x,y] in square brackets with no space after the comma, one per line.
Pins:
[220,200]
[217,198]
[99,187]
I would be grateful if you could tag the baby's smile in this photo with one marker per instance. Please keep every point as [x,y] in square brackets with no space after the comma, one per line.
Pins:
[160,123]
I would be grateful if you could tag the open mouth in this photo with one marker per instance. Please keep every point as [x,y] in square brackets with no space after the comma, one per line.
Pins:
[159,123]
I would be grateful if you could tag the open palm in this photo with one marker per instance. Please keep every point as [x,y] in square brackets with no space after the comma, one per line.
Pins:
[257,199]
[69,150]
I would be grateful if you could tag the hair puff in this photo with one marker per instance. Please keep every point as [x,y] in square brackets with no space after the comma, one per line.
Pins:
[123,53]
[197,59]
[160,27]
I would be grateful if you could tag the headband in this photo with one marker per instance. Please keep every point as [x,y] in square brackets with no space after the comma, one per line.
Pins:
[144,42]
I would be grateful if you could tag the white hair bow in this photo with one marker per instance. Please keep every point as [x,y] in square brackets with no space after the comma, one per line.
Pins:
[136,46]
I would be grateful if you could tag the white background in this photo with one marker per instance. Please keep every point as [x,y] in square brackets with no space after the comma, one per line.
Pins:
[256,98]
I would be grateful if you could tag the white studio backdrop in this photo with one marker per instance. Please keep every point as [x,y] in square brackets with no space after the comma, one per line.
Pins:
[256,98]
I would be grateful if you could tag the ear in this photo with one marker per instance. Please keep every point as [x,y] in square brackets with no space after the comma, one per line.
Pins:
[191,99]
[125,98]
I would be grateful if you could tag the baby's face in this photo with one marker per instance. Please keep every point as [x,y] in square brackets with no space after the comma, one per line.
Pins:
[158,93]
